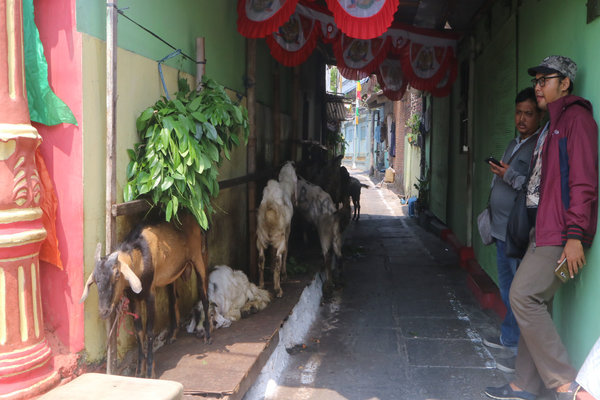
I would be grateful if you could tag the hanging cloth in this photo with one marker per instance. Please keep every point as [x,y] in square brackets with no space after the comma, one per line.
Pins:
[44,106]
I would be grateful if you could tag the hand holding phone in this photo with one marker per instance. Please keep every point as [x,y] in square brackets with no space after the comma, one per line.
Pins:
[562,271]
[493,160]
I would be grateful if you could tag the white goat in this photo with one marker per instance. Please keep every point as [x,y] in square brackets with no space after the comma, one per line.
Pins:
[231,296]
[274,219]
[316,207]
[234,295]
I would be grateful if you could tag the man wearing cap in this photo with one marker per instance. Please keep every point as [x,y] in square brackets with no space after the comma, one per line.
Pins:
[562,195]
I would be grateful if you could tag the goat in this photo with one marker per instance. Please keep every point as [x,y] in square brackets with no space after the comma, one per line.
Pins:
[151,256]
[317,207]
[329,175]
[354,189]
[231,296]
[273,226]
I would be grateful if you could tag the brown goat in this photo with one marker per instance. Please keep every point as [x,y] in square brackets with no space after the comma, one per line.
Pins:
[150,257]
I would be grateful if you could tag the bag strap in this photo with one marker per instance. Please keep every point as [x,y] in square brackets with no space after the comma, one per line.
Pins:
[521,146]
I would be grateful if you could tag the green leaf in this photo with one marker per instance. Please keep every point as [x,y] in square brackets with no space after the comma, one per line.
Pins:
[168,123]
[178,177]
[237,115]
[157,182]
[179,105]
[175,202]
[131,154]
[199,131]
[200,117]
[193,106]
[210,130]
[187,122]
[212,151]
[166,184]
[169,211]
[164,138]
[131,169]
[147,114]
[127,193]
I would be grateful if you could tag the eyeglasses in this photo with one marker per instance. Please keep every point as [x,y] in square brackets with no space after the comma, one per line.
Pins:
[542,80]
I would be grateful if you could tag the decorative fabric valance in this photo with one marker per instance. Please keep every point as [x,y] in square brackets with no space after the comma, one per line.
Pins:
[363,41]
[363,19]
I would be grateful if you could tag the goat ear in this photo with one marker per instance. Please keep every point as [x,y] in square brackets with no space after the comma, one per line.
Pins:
[86,288]
[134,281]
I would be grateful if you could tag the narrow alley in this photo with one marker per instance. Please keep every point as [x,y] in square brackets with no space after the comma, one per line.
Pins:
[405,326]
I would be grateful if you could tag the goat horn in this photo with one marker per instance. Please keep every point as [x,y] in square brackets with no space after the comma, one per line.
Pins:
[134,281]
[86,288]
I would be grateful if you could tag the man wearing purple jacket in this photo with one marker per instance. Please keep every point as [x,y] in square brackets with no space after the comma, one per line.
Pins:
[562,198]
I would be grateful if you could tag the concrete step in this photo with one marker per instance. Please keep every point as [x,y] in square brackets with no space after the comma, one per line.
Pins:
[95,386]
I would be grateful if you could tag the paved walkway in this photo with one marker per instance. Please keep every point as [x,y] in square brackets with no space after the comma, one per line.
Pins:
[405,326]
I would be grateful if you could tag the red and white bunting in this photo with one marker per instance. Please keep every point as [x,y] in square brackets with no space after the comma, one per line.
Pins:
[363,19]
[295,41]
[391,78]
[259,18]
[426,58]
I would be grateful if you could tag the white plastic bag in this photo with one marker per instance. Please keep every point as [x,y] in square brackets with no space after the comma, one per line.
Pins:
[589,374]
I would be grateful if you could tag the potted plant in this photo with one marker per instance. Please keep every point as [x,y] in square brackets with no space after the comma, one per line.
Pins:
[182,144]
[423,192]
[413,124]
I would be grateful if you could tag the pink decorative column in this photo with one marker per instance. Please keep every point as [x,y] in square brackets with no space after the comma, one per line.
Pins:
[25,357]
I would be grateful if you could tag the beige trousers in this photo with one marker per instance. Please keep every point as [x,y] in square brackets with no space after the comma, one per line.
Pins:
[542,359]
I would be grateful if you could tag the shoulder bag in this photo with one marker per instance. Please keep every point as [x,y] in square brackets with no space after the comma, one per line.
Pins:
[484,224]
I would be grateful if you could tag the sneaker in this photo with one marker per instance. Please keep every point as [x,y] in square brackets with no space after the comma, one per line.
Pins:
[496,343]
[506,364]
[493,342]
[506,392]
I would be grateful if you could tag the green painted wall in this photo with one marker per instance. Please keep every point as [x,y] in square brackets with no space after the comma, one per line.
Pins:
[493,116]
[178,22]
[439,138]
[508,40]
[576,304]
[457,174]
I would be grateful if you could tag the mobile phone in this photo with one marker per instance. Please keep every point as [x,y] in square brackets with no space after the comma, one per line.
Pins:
[562,271]
[493,160]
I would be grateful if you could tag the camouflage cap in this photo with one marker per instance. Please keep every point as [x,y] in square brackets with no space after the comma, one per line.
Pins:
[563,65]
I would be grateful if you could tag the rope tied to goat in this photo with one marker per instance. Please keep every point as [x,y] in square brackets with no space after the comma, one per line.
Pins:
[122,311]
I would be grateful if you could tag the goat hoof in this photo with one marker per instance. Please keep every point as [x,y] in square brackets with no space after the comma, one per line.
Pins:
[280,294]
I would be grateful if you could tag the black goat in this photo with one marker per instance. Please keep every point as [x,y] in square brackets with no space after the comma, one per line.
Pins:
[354,188]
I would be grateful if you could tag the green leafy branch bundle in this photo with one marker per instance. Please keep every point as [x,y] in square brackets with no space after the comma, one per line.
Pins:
[175,165]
